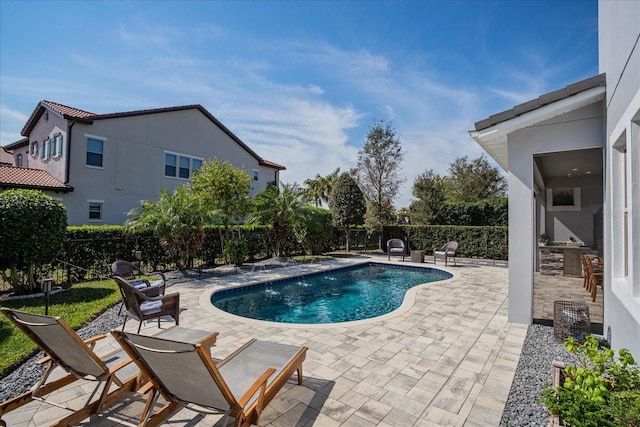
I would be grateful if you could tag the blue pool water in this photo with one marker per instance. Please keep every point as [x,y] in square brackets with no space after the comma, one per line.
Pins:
[342,295]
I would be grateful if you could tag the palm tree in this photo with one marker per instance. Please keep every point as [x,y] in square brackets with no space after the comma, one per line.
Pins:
[280,210]
[176,219]
[314,191]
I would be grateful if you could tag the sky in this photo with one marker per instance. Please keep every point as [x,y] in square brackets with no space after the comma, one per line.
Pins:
[301,82]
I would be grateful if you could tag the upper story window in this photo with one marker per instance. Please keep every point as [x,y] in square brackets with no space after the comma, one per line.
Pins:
[94,152]
[45,152]
[256,175]
[33,150]
[19,159]
[57,145]
[180,166]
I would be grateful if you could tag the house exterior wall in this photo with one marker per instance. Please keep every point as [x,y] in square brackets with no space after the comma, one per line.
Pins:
[48,126]
[579,129]
[619,29]
[133,159]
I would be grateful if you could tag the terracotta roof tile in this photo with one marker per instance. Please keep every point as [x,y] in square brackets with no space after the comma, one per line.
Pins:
[67,111]
[6,157]
[15,177]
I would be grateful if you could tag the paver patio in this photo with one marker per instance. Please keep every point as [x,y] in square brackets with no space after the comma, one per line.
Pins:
[447,357]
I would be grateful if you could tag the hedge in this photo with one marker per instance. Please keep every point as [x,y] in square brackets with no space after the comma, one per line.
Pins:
[474,242]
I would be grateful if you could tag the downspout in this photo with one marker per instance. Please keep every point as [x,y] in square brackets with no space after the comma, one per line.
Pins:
[66,170]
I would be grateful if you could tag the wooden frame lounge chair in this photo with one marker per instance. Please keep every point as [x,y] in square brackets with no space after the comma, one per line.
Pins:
[448,250]
[142,307]
[395,247]
[65,349]
[240,385]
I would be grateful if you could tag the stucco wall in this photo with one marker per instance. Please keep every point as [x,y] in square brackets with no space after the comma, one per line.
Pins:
[42,130]
[619,29]
[578,129]
[134,159]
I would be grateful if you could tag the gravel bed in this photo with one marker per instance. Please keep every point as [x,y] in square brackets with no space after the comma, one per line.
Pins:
[540,349]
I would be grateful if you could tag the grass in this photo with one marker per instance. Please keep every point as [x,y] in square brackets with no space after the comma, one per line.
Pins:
[78,305]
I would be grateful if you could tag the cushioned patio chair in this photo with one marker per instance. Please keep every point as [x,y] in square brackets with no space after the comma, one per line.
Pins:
[395,247]
[65,349]
[134,275]
[142,307]
[448,250]
[185,375]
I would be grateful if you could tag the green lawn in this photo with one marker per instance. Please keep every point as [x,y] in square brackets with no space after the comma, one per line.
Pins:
[77,306]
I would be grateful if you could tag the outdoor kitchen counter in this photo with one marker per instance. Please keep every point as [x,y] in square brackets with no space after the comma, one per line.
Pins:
[562,260]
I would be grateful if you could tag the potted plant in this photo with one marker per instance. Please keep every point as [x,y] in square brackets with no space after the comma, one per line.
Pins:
[544,239]
[602,390]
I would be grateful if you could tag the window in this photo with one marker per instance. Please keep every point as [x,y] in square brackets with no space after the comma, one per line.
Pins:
[620,196]
[179,166]
[94,152]
[45,153]
[34,148]
[19,159]
[256,173]
[95,210]
[57,145]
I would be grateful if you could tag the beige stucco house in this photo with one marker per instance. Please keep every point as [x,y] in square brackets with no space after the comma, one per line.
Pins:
[105,164]
[573,161]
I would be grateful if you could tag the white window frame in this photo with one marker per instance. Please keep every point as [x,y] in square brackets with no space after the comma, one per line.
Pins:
[100,204]
[179,160]
[57,145]
[256,175]
[45,151]
[19,160]
[33,148]
[95,138]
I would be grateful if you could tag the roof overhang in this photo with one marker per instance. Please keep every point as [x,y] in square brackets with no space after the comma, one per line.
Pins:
[494,139]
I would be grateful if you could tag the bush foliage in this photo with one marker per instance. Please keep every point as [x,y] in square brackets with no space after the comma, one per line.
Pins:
[32,232]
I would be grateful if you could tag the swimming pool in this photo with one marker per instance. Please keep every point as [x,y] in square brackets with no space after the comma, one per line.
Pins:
[342,295]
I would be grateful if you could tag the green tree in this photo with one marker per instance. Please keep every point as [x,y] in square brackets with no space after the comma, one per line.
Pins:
[177,219]
[347,204]
[470,181]
[318,190]
[429,192]
[377,171]
[278,209]
[32,231]
[223,189]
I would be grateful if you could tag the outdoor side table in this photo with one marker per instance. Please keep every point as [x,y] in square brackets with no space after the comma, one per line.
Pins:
[570,319]
[417,256]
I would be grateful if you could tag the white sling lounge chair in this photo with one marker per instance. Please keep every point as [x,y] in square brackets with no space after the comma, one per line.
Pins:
[64,348]
[240,385]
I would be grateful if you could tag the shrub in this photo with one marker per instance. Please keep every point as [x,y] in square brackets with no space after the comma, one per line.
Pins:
[32,232]
[236,251]
[604,390]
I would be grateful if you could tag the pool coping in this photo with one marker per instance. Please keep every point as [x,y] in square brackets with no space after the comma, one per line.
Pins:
[294,271]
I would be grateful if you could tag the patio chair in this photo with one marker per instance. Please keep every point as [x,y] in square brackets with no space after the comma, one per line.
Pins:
[595,278]
[132,273]
[448,250]
[185,375]
[142,307]
[395,247]
[65,349]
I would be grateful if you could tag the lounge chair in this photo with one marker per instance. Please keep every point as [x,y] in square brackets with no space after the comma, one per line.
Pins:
[240,385]
[395,247]
[142,307]
[65,349]
[448,250]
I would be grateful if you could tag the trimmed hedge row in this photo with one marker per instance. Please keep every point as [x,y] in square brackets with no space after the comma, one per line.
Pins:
[474,242]
[491,212]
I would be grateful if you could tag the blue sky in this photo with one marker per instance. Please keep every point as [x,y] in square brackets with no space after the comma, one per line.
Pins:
[300,82]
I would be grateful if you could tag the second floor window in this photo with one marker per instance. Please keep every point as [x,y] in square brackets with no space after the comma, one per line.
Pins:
[94,152]
[19,159]
[34,148]
[256,175]
[45,153]
[179,166]
[57,145]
